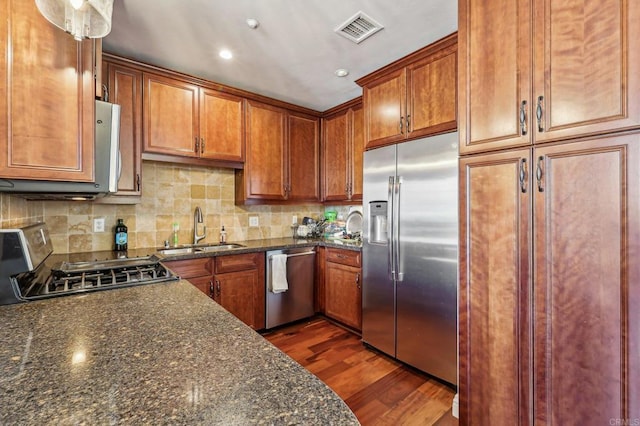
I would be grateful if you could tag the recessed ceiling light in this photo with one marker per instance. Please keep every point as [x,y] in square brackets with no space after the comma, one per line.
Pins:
[341,72]
[253,23]
[226,54]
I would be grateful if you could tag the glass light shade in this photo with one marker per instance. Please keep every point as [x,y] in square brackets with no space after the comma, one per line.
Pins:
[80,18]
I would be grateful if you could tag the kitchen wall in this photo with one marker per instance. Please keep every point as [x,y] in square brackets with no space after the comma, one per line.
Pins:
[170,193]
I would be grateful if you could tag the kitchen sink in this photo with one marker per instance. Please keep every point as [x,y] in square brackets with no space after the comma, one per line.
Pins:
[183,250]
[198,249]
[217,247]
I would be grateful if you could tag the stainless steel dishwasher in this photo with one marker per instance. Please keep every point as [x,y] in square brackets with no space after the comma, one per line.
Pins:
[297,302]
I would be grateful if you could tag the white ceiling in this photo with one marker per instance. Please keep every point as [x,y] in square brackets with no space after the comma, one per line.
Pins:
[294,52]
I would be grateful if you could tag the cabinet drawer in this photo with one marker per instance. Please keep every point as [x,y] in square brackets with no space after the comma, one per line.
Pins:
[344,257]
[190,268]
[237,262]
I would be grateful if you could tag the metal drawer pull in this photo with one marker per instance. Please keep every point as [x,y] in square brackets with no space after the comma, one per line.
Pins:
[539,114]
[523,175]
[539,174]
[523,118]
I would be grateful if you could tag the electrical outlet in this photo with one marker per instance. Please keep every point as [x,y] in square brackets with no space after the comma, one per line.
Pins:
[294,220]
[254,221]
[98,224]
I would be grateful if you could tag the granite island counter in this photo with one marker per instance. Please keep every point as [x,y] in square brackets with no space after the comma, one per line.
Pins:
[152,354]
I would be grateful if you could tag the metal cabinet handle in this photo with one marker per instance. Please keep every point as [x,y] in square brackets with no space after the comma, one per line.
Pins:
[358,279]
[400,126]
[539,174]
[523,118]
[408,123]
[138,181]
[539,113]
[523,175]
[201,145]
[197,145]
[218,288]
[210,288]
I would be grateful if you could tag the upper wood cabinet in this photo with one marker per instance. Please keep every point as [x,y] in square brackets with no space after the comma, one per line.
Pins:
[221,126]
[46,98]
[546,71]
[342,151]
[184,119]
[282,156]
[125,89]
[304,161]
[413,97]
[264,176]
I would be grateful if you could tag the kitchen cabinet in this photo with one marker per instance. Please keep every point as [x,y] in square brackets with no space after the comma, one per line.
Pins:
[343,287]
[534,71]
[46,98]
[236,282]
[239,282]
[125,89]
[342,151]
[197,271]
[186,120]
[304,157]
[282,156]
[548,293]
[413,97]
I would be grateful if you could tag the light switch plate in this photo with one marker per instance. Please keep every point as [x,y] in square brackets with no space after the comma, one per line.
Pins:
[294,220]
[98,224]
[254,221]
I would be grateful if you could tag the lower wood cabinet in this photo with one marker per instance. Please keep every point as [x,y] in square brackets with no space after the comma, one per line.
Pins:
[239,287]
[235,281]
[343,286]
[550,284]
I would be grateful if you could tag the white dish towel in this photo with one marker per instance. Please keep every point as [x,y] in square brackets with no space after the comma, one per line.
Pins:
[279,282]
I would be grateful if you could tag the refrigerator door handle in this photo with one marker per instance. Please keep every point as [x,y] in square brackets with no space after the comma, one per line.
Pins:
[390,228]
[396,226]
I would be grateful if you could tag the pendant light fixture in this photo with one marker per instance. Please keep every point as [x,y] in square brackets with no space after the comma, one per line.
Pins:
[80,18]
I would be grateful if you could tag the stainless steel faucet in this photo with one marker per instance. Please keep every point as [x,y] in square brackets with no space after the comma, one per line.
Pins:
[197,218]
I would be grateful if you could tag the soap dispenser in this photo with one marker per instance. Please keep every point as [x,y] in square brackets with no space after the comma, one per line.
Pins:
[223,235]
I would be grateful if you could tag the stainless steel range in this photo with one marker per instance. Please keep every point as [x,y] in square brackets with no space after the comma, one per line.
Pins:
[27,272]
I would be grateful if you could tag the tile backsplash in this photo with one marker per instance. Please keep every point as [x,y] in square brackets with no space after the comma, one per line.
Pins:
[170,193]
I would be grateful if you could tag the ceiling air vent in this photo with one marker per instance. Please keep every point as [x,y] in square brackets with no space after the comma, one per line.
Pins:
[359,27]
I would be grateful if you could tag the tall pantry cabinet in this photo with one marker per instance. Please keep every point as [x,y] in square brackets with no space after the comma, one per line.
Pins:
[549,311]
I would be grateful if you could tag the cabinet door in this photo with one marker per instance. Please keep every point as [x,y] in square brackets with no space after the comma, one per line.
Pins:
[170,116]
[343,294]
[384,103]
[235,292]
[494,74]
[587,282]
[204,284]
[125,89]
[335,154]
[431,95]
[587,74]
[46,98]
[265,171]
[304,158]
[495,236]
[221,126]
[357,151]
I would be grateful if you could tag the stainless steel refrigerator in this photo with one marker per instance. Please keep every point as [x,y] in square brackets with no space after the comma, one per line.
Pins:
[410,253]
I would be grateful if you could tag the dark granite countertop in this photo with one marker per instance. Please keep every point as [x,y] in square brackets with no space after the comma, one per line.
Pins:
[250,246]
[153,354]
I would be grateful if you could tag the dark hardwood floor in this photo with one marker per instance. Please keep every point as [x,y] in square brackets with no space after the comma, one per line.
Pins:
[378,389]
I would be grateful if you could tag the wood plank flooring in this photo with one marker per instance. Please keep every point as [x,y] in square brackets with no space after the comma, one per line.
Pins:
[378,389]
